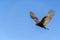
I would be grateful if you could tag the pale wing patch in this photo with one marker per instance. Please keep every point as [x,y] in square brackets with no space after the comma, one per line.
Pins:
[47,20]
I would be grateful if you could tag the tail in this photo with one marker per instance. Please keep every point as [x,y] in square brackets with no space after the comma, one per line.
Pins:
[46,28]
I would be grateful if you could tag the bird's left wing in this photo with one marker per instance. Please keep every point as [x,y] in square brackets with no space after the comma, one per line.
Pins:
[32,15]
[48,17]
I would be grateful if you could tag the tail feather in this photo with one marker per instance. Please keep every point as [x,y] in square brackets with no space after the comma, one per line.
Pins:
[46,28]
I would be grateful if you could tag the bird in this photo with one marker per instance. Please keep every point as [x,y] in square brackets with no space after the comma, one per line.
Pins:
[45,20]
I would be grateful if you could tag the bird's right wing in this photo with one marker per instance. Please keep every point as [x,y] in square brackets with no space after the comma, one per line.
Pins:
[48,17]
[34,17]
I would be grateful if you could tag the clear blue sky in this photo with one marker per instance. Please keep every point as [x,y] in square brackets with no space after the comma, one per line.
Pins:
[16,24]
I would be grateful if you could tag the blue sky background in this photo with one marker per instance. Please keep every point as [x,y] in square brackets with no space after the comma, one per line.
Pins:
[16,24]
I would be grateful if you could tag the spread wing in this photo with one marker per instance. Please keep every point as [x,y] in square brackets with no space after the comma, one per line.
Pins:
[34,17]
[48,17]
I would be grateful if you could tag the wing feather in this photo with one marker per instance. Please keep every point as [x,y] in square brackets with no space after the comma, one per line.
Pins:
[48,17]
[32,15]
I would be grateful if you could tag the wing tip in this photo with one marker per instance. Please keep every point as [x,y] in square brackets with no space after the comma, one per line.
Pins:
[31,12]
[51,13]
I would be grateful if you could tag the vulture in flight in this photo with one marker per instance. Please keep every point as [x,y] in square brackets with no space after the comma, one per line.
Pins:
[45,20]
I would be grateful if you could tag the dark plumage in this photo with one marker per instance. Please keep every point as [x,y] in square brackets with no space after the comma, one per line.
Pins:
[40,24]
[45,20]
